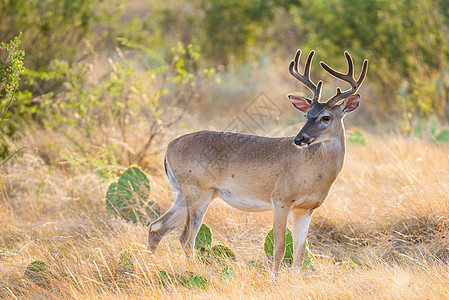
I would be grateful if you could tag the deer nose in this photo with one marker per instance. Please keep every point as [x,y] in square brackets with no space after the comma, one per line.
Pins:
[299,140]
[303,139]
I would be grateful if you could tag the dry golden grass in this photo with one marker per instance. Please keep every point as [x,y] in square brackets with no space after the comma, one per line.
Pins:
[382,233]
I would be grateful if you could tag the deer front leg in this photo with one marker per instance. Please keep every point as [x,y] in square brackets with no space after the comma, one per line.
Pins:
[280,218]
[301,220]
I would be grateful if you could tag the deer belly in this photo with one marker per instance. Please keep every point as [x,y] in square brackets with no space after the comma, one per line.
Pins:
[243,203]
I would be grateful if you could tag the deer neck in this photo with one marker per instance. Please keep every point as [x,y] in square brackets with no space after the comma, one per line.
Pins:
[333,150]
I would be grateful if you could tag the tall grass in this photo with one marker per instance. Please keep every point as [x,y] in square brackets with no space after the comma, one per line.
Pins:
[382,233]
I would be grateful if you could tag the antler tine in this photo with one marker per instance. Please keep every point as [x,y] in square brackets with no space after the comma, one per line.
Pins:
[348,77]
[305,78]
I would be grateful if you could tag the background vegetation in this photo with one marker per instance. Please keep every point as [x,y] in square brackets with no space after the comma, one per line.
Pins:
[90,87]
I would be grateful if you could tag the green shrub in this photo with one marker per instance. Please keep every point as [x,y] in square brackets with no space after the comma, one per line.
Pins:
[356,137]
[144,92]
[61,29]
[430,131]
[11,68]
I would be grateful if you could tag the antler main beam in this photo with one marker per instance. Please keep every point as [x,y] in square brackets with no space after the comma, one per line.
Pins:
[305,78]
[348,77]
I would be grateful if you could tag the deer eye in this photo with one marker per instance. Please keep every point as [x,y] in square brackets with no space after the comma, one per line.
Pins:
[326,118]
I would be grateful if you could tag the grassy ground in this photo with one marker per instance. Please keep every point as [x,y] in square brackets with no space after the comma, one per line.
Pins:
[382,233]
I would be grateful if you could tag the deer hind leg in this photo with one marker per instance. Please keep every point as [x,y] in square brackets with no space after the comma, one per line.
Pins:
[280,218]
[198,201]
[171,220]
[301,221]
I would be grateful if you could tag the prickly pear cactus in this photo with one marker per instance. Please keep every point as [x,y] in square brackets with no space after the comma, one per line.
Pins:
[208,253]
[203,238]
[126,263]
[288,256]
[308,259]
[221,254]
[227,274]
[195,281]
[127,198]
[188,279]
[269,247]
[38,272]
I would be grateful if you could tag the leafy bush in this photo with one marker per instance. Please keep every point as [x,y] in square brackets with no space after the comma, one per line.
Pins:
[408,48]
[60,29]
[356,137]
[127,198]
[145,92]
[409,70]
[429,131]
[11,68]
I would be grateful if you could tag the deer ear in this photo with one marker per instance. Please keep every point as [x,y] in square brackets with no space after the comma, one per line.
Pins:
[300,103]
[350,103]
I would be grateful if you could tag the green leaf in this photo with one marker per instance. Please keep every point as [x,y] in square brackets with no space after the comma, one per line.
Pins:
[204,238]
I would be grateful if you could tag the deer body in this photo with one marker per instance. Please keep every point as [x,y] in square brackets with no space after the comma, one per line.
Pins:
[287,169]
[290,175]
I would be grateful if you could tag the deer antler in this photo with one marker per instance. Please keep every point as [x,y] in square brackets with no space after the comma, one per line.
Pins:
[348,77]
[305,78]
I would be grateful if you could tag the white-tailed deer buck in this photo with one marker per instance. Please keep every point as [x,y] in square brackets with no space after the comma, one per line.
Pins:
[255,173]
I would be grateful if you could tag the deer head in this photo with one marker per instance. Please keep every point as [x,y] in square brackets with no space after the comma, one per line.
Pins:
[324,119]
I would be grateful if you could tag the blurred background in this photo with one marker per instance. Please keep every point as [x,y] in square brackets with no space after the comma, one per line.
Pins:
[120,78]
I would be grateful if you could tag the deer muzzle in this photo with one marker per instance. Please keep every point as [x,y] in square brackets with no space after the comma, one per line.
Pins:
[303,139]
